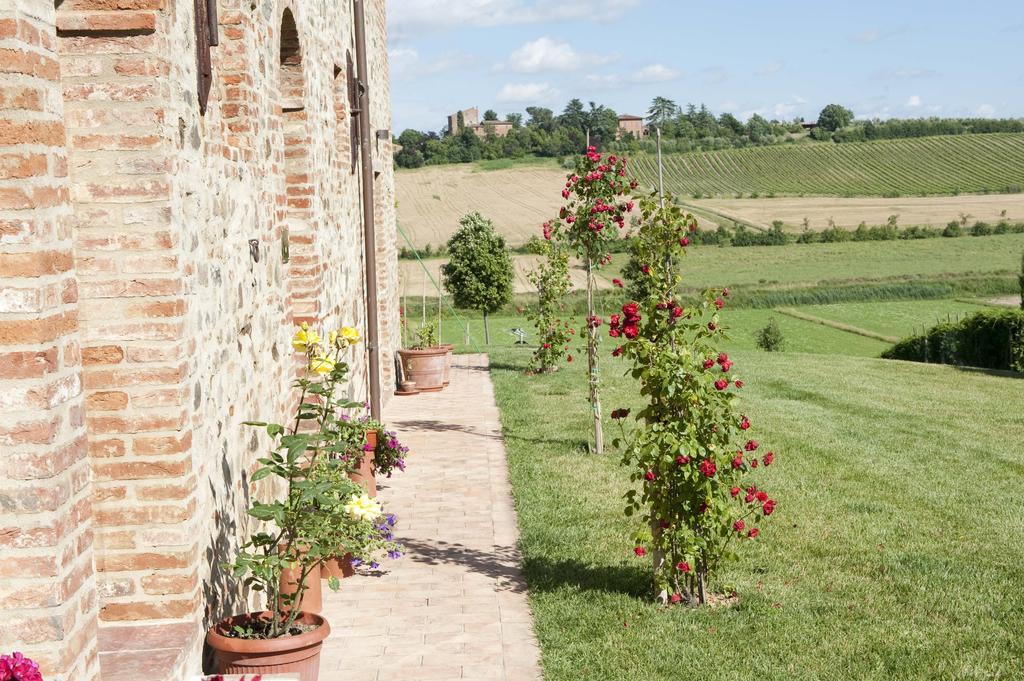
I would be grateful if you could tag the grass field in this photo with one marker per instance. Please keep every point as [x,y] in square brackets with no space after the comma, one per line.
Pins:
[894,553]
[910,167]
[898,319]
[934,211]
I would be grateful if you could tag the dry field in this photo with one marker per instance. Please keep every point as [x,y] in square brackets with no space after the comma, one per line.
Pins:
[933,210]
[518,200]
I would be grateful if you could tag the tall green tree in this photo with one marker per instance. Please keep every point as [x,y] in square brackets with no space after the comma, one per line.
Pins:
[490,115]
[662,111]
[834,117]
[479,271]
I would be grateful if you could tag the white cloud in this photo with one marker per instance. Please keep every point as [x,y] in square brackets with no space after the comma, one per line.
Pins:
[526,93]
[547,54]
[770,69]
[985,110]
[655,73]
[914,101]
[441,14]
[407,64]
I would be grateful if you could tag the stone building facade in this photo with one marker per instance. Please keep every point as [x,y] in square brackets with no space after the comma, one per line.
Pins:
[154,258]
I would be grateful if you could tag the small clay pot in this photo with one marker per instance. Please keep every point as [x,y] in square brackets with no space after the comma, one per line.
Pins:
[312,600]
[425,367]
[285,655]
[448,362]
[364,474]
[339,566]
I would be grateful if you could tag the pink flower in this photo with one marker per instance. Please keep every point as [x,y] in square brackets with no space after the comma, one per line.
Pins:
[719,303]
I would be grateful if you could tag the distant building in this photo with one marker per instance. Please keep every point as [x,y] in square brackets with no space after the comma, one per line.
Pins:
[471,120]
[632,125]
[808,125]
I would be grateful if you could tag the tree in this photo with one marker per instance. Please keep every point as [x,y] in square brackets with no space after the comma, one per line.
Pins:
[603,124]
[834,117]
[490,115]
[479,271]
[541,118]
[1021,280]
[516,119]
[731,123]
[662,111]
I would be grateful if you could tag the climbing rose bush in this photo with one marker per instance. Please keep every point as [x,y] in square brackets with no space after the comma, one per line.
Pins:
[690,449]
[551,279]
[598,200]
[17,667]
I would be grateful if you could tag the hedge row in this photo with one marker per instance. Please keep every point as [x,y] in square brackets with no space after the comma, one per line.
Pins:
[993,339]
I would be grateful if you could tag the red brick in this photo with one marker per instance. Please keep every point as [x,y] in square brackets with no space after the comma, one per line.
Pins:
[104,449]
[32,364]
[137,286]
[164,584]
[125,20]
[110,92]
[141,423]
[35,264]
[120,378]
[21,166]
[17,566]
[47,133]
[138,470]
[143,515]
[113,191]
[166,491]
[106,401]
[141,66]
[102,354]
[119,612]
[151,446]
[36,432]
[122,562]
[115,142]
[41,462]
[31,332]
[28,63]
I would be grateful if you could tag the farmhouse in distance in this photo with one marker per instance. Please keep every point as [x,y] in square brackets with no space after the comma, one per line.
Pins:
[470,119]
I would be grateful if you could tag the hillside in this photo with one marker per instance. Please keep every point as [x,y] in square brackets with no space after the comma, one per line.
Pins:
[923,166]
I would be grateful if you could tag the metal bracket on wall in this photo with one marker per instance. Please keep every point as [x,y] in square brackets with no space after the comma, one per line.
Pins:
[285,253]
[254,249]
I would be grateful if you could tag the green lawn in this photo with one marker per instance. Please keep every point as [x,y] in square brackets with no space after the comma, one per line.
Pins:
[812,264]
[895,552]
[897,319]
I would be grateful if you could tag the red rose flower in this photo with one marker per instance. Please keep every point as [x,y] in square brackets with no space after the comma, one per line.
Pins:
[719,303]
[753,463]
[769,507]
[708,363]
[682,459]
[675,598]
[744,423]
[708,468]
[739,384]
[684,242]
[762,496]
[617,282]
[630,310]
[735,491]
[768,458]
[683,567]
[650,476]
[721,384]
[569,358]
[722,358]
[753,533]
[750,497]
[751,445]
[640,551]
[630,331]
[726,366]
[712,326]
[565,193]
[737,462]
[739,525]
[677,312]
[617,351]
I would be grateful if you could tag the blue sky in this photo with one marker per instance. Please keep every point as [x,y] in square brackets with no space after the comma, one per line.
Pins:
[780,59]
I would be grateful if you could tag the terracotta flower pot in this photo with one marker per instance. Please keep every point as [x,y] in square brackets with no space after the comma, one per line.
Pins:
[424,367]
[312,600]
[339,566]
[364,474]
[448,362]
[285,655]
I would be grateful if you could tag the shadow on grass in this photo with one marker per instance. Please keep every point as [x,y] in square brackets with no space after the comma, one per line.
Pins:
[565,444]
[502,564]
[1001,373]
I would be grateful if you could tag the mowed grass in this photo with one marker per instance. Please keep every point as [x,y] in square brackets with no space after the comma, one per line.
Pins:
[811,264]
[895,552]
[907,167]
[898,319]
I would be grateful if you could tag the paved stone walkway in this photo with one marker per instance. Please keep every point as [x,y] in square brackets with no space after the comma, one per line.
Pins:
[454,606]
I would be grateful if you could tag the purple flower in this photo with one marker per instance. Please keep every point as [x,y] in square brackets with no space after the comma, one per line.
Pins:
[17,667]
[374,565]
[344,417]
[394,554]
[400,463]
[391,519]
[356,562]
[367,447]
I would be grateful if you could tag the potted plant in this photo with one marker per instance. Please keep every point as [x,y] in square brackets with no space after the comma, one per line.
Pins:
[423,363]
[319,513]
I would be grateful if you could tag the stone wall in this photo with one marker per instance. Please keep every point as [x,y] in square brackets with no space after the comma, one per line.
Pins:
[198,241]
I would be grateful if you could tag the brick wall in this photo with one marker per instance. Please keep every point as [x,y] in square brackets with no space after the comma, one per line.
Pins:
[157,243]
[47,589]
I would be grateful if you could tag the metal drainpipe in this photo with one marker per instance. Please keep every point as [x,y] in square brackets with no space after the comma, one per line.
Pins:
[362,119]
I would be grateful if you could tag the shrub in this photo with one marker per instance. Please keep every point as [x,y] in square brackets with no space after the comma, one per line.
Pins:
[689,449]
[551,278]
[988,340]
[479,272]
[770,337]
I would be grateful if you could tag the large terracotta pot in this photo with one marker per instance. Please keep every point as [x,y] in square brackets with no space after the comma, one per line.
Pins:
[312,600]
[424,367]
[339,566]
[364,474]
[285,655]
[449,348]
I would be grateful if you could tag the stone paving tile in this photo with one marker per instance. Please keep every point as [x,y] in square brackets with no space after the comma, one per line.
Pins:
[455,606]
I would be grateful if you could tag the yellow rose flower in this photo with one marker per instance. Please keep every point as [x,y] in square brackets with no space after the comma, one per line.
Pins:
[332,338]
[350,334]
[304,339]
[321,364]
[362,507]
